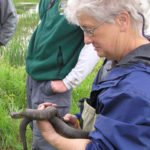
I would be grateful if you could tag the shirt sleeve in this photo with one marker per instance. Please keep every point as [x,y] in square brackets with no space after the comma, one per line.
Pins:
[8,21]
[87,60]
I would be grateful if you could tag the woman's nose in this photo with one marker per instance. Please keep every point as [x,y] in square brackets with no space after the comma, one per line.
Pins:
[87,38]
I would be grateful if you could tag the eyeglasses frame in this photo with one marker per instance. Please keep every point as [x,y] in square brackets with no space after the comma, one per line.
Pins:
[90,31]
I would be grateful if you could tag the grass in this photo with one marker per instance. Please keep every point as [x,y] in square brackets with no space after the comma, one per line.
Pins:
[20,1]
[15,50]
[13,78]
[12,83]
[83,90]
[12,97]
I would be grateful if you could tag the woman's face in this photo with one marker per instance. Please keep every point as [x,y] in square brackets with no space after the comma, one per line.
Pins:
[105,38]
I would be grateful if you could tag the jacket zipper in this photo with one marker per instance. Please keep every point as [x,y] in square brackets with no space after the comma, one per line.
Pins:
[60,61]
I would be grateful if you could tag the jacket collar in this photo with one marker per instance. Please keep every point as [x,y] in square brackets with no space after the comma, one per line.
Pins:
[139,55]
[138,59]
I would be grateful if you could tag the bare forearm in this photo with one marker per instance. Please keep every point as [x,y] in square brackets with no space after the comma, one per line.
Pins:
[55,139]
[62,143]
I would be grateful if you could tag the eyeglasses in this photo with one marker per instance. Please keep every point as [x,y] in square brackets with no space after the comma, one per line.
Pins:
[90,32]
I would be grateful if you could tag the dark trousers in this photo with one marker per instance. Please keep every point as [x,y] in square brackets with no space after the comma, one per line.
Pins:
[39,92]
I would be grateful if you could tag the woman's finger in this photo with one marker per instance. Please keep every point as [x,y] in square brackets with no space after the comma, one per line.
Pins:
[46,104]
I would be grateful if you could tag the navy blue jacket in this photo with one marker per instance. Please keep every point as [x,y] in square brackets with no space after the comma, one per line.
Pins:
[122,100]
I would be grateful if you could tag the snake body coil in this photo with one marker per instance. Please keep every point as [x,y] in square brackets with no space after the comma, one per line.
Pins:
[51,114]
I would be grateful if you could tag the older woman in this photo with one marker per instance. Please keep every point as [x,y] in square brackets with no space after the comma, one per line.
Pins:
[120,97]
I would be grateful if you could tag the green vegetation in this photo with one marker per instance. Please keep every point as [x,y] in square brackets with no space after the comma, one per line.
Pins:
[83,90]
[30,1]
[12,97]
[16,49]
[13,78]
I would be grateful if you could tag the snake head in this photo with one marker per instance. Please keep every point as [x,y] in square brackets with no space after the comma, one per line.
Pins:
[15,115]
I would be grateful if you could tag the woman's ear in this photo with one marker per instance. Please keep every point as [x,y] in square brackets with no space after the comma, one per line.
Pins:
[123,20]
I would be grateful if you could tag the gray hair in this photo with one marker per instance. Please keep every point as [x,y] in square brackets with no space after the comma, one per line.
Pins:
[107,10]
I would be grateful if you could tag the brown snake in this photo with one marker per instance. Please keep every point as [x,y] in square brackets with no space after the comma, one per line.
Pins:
[51,114]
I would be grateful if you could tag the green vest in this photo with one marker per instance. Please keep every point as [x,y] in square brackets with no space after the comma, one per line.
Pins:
[55,44]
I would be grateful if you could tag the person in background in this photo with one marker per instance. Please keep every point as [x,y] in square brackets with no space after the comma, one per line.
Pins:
[57,61]
[8,21]
[120,98]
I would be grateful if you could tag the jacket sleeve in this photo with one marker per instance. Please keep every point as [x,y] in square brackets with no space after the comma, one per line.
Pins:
[87,60]
[124,121]
[8,21]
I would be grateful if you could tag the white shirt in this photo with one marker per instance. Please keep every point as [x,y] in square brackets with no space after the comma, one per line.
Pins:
[88,58]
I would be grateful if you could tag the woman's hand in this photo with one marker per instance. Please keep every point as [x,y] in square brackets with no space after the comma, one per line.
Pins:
[56,140]
[46,104]
[45,127]
[71,119]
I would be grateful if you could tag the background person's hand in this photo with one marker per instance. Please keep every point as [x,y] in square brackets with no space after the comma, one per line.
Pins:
[58,86]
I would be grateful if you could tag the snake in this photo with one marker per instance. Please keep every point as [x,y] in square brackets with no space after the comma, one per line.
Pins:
[51,114]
